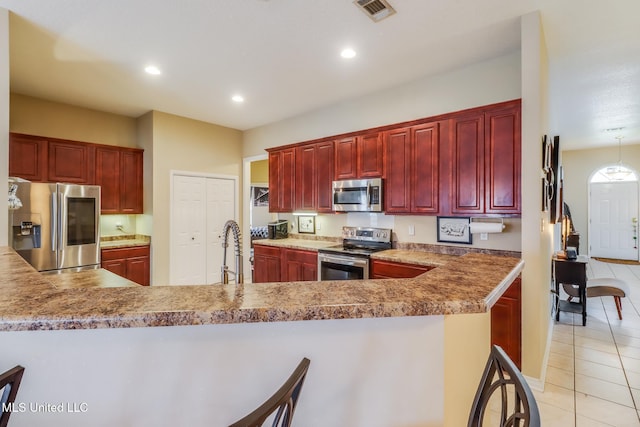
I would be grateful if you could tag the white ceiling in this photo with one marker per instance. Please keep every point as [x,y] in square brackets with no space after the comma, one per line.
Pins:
[283,56]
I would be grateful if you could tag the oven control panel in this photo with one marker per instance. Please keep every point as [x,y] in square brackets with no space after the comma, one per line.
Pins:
[367,234]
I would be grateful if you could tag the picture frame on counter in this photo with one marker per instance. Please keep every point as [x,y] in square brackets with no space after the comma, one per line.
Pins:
[454,229]
[307,224]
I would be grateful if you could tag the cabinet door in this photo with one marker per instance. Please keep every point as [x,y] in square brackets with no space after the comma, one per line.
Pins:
[324,176]
[394,270]
[467,187]
[424,194]
[370,156]
[299,265]
[282,180]
[116,266]
[397,184]
[131,177]
[71,162]
[306,178]
[266,264]
[503,161]
[138,270]
[506,322]
[346,163]
[108,178]
[28,157]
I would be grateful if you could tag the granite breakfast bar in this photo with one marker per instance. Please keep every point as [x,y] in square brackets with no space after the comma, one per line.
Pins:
[384,352]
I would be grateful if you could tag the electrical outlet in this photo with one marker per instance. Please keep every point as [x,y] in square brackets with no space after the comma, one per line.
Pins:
[484,236]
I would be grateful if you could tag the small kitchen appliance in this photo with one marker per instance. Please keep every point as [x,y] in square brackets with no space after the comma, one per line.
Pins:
[278,229]
[357,195]
[350,260]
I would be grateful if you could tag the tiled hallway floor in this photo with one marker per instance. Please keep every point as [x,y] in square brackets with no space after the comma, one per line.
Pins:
[593,373]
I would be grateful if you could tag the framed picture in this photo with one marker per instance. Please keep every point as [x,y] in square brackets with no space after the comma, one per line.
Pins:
[307,224]
[454,229]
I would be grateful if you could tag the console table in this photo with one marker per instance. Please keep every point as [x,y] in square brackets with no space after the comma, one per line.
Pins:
[571,273]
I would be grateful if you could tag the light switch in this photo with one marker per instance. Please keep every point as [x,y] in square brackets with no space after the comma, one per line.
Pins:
[412,230]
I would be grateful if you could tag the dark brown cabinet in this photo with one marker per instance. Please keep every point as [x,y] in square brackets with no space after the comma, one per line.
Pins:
[314,177]
[282,175]
[413,165]
[395,270]
[119,173]
[272,264]
[360,156]
[118,170]
[132,263]
[506,322]
[486,162]
[71,162]
[266,264]
[28,157]
[298,265]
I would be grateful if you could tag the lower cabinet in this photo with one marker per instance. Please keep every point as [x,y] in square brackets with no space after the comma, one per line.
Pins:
[272,264]
[131,263]
[395,270]
[506,322]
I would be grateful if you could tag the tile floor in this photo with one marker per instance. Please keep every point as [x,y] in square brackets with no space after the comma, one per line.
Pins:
[593,373]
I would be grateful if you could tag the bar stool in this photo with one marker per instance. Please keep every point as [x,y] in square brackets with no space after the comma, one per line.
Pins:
[9,384]
[282,402]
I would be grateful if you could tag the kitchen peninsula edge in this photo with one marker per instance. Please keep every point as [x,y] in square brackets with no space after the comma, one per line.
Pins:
[419,344]
[471,283]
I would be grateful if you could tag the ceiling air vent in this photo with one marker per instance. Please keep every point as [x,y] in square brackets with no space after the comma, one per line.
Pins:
[377,10]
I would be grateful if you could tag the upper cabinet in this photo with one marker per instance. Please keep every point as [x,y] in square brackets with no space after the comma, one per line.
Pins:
[413,165]
[119,173]
[118,170]
[360,156]
[28,157]
[462,164]
[282,180]
[486,153]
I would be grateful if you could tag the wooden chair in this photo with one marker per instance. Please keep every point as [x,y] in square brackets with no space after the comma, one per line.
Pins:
[282,402]
[9,384]
[502,374]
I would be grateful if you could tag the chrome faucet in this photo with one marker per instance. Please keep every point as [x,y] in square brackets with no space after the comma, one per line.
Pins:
[231,225]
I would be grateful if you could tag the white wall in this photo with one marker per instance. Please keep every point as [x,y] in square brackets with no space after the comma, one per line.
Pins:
[4,121]
[213,375]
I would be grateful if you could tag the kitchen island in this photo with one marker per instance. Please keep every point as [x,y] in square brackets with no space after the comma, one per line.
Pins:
[383,352]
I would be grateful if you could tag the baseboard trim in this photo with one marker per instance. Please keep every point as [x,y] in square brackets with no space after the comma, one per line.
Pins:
[538,383]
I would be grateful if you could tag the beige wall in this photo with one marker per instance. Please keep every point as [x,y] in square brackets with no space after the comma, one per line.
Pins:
[260,171]
[578,166]
[4,118]
[186,145]
[45,118]
[537,234]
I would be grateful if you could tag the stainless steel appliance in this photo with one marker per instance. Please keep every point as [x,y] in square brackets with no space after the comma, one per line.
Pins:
[350,260]
[278,229]
[58,225]
[357,195]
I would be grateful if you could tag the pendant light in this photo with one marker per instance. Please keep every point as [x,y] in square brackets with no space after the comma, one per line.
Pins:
[618,172]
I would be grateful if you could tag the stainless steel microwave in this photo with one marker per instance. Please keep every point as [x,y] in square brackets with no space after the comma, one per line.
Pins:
[357,195]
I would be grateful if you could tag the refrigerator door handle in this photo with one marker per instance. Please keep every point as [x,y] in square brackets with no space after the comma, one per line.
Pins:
[54,221]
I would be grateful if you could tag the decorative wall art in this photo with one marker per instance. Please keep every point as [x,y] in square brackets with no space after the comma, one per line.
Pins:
[307,224]
[454,229]
[550,176]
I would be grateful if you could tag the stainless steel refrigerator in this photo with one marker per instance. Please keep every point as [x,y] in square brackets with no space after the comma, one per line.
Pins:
[58,225]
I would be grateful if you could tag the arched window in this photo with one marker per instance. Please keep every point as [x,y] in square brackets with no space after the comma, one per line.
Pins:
[615,173]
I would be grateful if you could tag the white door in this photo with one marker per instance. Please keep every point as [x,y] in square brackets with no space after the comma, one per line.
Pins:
[612,209]
[221,207]
[200,207]
[188,231]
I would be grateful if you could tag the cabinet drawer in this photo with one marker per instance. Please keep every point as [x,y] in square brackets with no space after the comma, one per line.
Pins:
[396,270]
[266,250]
[122,253]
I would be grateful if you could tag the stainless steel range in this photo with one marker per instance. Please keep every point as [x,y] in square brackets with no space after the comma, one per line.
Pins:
[350,261]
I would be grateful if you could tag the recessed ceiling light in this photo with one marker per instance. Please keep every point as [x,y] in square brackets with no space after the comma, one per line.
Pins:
[153,70]
[348,53]
[237,98]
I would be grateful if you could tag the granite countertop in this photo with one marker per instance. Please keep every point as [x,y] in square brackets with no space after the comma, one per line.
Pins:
[471,283]
[95,278]
[296,243]
[124,241]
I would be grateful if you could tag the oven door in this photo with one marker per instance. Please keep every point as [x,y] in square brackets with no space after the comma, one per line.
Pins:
[342,267]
